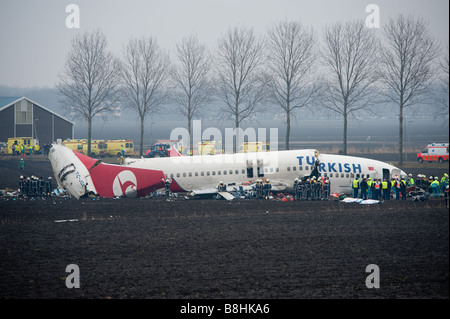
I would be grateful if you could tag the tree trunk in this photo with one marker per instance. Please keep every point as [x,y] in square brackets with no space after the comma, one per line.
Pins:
[345,133]
[288,129]
[191,138]
[400,139]
[89,135]
[236,123]
[141,151]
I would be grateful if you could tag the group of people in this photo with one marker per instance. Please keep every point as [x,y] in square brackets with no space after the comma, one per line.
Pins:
[20,149]
[262,189]
[377,189]
[312,188]
[432,184]
[35,186]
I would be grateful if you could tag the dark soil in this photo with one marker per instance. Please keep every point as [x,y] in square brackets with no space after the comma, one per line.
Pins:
[150,248]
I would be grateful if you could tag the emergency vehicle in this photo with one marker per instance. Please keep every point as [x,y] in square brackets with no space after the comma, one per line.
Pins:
[254,147]
[75,144]
[26,142]
[98,147]
[114,147]
[206,148]
[161,148]
[434,152]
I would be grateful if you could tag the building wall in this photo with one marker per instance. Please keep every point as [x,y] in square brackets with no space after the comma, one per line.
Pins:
[6,124]
[24,130]
[43,121]
[47,127]
[63,129]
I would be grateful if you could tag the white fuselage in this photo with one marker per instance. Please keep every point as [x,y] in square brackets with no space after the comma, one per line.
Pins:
[201,174]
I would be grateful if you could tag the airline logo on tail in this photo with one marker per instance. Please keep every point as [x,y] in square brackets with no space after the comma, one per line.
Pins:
[125,184]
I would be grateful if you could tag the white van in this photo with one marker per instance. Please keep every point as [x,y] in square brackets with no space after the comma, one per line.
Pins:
[434,152]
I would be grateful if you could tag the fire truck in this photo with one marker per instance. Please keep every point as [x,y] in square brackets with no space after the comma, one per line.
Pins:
[434,152]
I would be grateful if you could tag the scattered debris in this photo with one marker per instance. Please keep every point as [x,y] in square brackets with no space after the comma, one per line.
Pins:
[361,201]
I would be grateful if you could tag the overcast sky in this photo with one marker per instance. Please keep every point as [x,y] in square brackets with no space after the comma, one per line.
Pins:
[34,39]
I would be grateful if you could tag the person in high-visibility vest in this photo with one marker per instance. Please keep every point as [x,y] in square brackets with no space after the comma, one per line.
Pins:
[435,187]
[444,182]
[375,188]
[397,188]
[384,186]
[369,188]
[355,187]
[410,181]
[403,188]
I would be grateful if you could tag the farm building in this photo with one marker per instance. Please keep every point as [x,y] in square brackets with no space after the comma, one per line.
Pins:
[21,117]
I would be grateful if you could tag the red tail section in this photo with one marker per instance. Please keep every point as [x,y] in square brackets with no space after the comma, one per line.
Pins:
[173,152]
[116,180]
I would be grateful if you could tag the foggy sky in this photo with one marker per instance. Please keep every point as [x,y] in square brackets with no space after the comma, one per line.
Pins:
[34,39]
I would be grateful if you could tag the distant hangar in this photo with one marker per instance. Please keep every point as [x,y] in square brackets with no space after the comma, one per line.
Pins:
[21,117]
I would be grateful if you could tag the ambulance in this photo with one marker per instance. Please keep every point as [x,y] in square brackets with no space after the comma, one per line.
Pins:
[25,142]
[98,147]
[75,144]
[114,147]
[247,147]
[434,152]
[206,148]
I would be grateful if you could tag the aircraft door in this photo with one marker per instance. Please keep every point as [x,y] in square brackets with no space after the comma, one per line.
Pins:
[386,174]
[260,168]
[249,168]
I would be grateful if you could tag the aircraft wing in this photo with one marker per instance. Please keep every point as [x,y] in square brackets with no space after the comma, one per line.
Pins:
[276,187]
[204,191]
[226,195]
[279,187]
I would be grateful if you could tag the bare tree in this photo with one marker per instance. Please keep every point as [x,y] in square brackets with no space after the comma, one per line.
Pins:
[240,83]
[442,96]
[145,74]
[291,57]
[89,84]
[191,78]
[349,53]
[406,66]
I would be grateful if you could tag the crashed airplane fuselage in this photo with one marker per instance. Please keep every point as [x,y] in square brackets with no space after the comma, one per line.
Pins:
[80,175]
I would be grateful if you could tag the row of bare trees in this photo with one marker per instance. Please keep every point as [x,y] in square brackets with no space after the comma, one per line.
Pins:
[348,71]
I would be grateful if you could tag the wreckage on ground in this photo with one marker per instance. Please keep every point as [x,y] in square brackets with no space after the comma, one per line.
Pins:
[81,175]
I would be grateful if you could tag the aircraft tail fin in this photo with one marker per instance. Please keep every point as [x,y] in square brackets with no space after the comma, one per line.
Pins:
[116,180]
[173,152]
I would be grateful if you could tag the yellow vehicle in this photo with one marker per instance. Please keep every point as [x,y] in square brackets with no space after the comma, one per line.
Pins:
[27,143]
[247,147]
[114,147]
[75,144]
[98,147]
[206,148]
